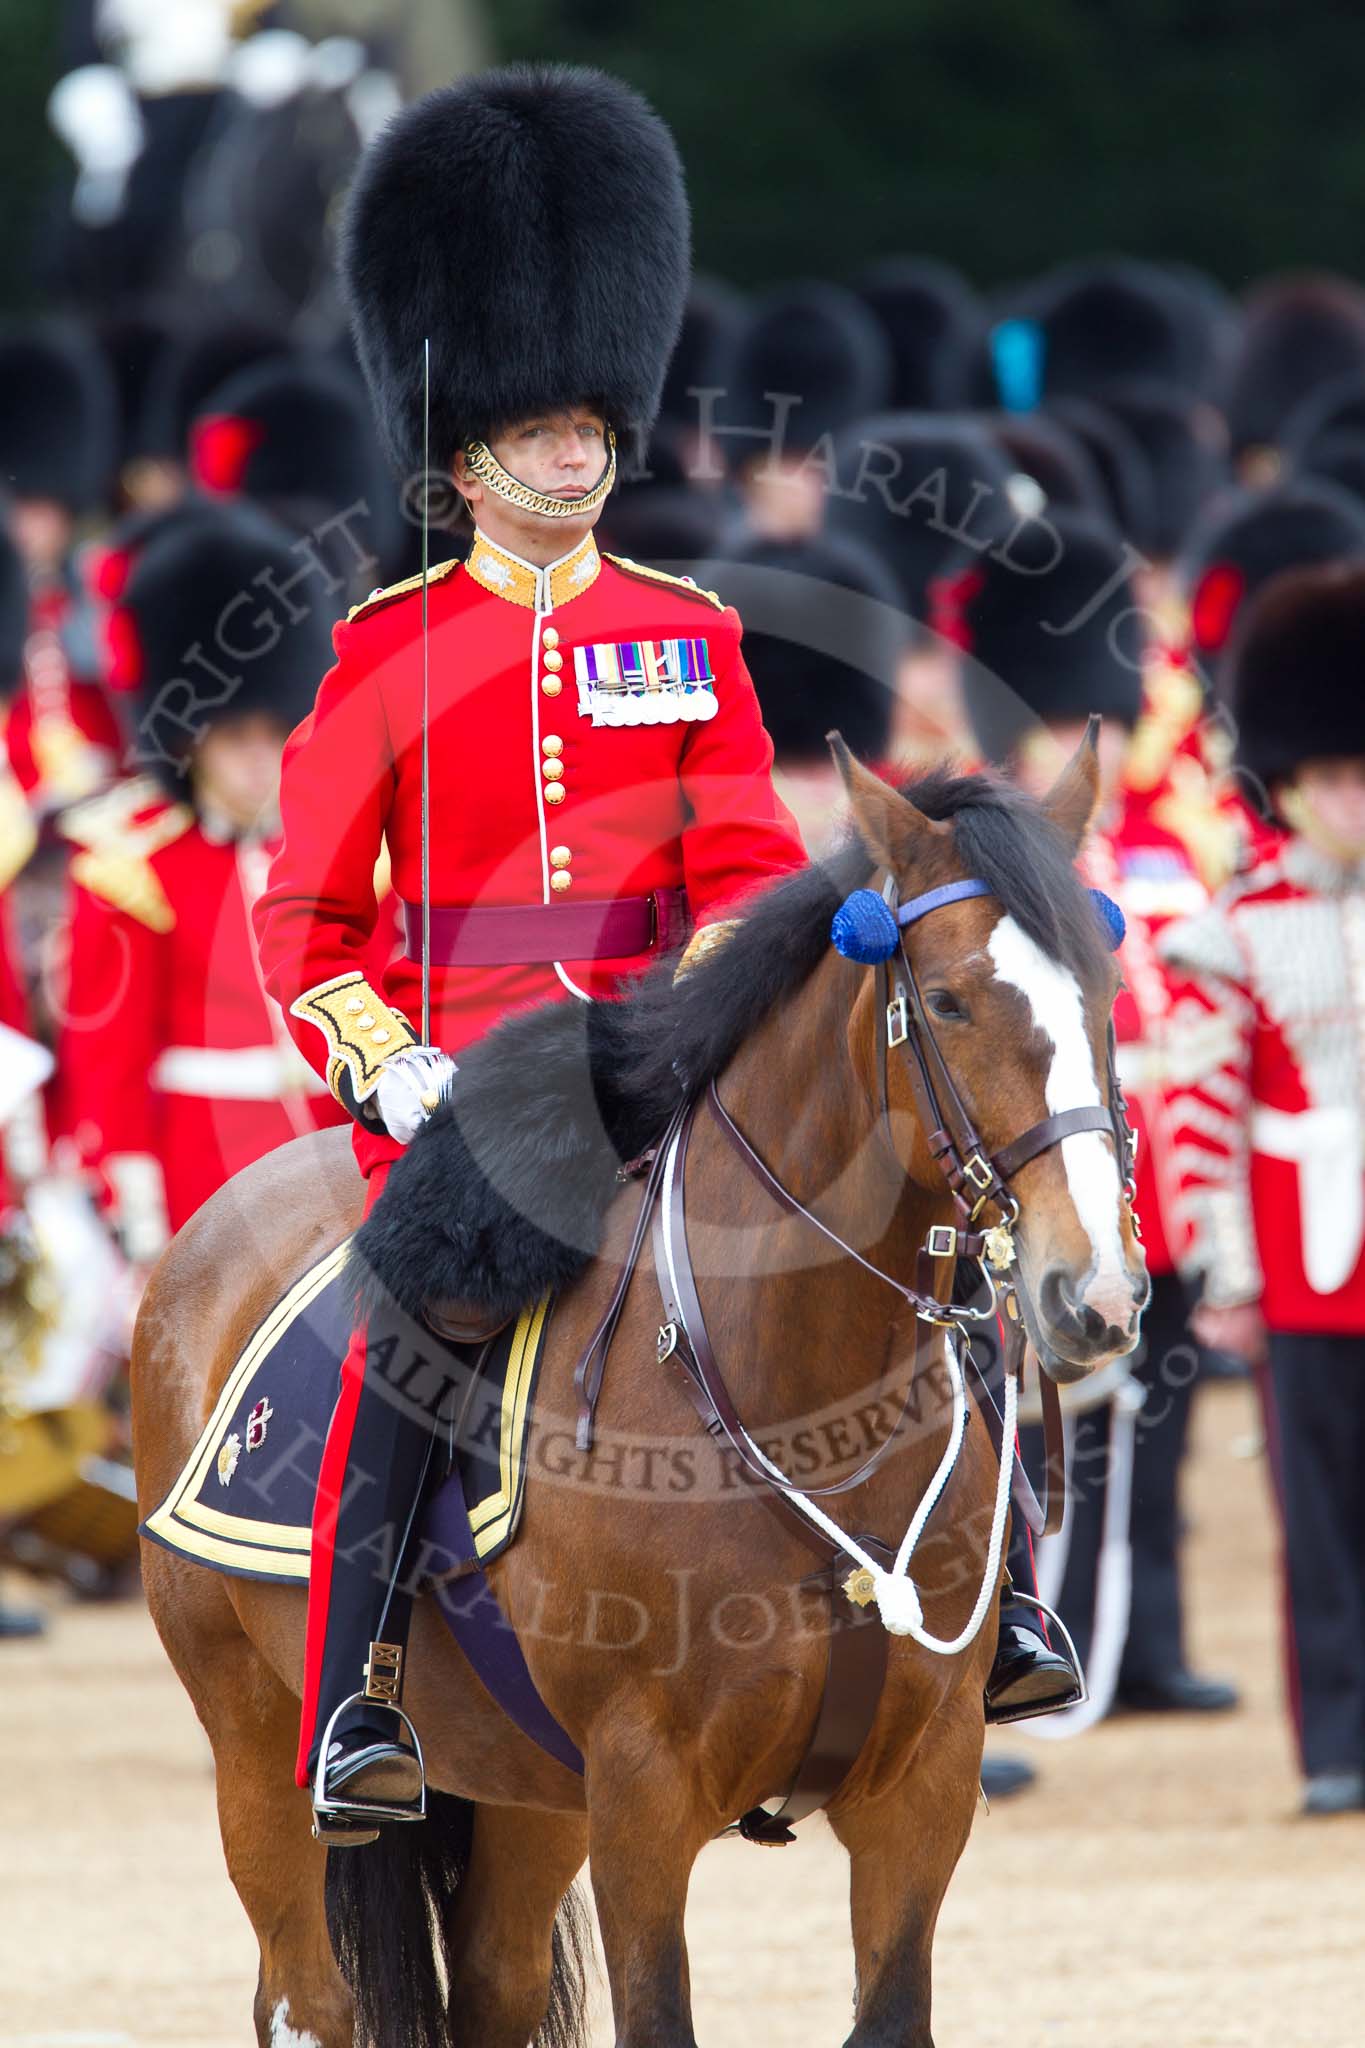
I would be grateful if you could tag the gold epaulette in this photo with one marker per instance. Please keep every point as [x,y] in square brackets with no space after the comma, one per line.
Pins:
[118,867]
[376,598]
[18,833]
[684,585]
[96,817]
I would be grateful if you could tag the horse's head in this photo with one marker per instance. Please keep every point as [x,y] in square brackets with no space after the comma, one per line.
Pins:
[1016,985]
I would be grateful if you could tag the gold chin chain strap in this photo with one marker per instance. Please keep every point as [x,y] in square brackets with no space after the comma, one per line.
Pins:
[481,462]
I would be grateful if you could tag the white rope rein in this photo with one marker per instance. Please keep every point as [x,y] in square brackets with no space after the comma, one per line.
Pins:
[897,1597]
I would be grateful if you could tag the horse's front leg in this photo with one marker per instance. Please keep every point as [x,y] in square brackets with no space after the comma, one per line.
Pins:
[647,1824]
[904,1847]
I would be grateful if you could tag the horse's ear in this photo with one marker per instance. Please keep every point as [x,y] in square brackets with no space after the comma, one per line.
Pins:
[1071,801]
[889,825]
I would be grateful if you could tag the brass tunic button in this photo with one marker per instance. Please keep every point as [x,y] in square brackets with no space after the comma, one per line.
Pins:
[553,660]
[354,1005]
[381,1036]
[365,1021]
[553,771]
[562,881]
[551,685]
[550,637]
[552,745]
[554,793]
[560,856]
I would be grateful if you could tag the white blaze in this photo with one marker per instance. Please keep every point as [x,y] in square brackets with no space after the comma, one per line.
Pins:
[1054,996]
[282,2035]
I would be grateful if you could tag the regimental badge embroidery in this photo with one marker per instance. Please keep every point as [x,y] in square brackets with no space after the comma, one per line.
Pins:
[256,1424]
[645,682]
[227,1458]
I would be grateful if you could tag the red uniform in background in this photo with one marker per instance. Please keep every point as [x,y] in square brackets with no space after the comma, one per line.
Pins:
[176,1067]
[63,737]
[1149,873]
[1269,1014]
[539,796]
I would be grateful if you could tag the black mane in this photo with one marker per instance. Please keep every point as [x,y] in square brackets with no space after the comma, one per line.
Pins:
[501,1197]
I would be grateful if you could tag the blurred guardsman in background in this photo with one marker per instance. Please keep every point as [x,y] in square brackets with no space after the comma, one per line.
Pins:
[176,1067]
[56,450]
[1053,635]
[1269,1022]
[823,636]
[807,360]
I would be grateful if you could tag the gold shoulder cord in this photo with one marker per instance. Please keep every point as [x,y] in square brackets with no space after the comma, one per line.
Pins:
[483,464]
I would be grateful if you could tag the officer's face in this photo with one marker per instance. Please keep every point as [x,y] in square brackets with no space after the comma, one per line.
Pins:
[561,455]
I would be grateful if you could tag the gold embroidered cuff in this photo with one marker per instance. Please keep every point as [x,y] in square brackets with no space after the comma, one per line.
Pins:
[361,1032]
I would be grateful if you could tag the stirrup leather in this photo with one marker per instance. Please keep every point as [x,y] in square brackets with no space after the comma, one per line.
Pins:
[340,1817]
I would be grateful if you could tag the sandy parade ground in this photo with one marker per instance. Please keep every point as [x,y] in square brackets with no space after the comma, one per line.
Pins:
[1155,1891]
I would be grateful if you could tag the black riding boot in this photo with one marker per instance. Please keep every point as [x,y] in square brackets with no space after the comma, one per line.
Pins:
[363,1759]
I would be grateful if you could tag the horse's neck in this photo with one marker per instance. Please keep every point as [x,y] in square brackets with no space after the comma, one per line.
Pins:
[795,1093]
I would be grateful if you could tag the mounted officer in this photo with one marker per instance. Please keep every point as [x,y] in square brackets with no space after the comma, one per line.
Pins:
[598,772]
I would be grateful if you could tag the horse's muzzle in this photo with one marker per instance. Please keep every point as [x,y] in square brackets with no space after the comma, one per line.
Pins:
[1077,1334]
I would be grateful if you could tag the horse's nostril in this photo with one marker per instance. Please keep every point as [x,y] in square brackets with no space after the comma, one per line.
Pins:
[1061,1305]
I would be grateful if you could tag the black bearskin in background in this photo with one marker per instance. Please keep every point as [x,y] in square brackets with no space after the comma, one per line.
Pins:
[1296,671]
[1040,645]
[197,584]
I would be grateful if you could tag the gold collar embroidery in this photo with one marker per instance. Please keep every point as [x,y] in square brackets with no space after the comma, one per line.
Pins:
[541,590]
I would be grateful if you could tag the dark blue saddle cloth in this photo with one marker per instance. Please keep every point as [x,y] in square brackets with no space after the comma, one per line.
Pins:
[243,1502]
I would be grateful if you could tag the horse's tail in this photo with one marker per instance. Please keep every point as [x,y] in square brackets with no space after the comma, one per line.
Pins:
[388,1912]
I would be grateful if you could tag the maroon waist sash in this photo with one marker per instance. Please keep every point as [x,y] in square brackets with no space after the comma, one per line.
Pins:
[520,934]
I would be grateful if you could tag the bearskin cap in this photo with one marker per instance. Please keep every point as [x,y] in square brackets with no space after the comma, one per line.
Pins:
[58,415]
[291,430]
[1247,537]
[1185,443]
[1051,456]
[532,223]
[935,324]
[1041,647]
[1108,319]
[209,641]
[814,343]
[712,319]
[928,491]
[14,610]
[1129,486]
[1295,670]
[823,632]
[1301,333]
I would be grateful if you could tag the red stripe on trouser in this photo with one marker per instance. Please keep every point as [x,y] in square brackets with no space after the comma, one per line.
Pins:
[336,1455]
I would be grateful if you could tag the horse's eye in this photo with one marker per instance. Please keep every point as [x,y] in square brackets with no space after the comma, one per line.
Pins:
[943,1003]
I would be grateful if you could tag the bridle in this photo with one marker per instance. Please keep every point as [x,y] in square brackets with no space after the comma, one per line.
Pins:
[870,927]
[976,1179]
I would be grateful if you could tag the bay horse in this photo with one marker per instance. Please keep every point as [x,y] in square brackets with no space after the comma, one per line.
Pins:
[658,1617]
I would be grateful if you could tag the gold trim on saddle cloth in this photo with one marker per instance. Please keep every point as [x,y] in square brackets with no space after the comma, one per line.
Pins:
[278,1550]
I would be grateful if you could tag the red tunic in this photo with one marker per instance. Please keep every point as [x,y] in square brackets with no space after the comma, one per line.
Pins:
[535,798]
[1151,876]
[63,736]
[172,1054]
[1269,1031]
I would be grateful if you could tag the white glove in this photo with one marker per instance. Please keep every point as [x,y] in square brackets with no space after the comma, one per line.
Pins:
[410,1086]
